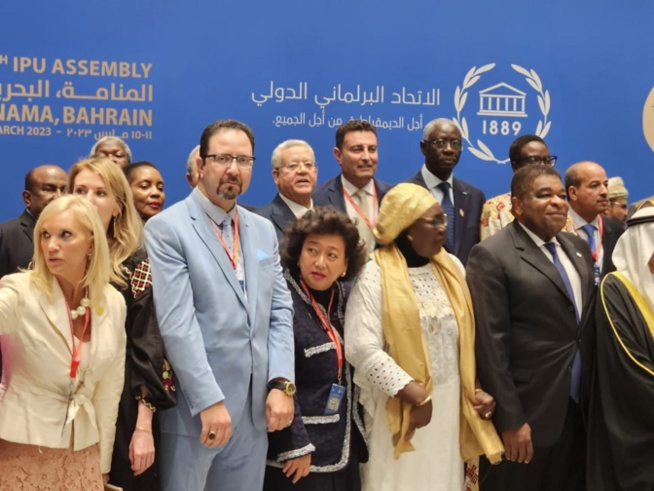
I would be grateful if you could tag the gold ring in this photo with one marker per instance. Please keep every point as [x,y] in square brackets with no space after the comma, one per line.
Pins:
[488,415]
[211,435]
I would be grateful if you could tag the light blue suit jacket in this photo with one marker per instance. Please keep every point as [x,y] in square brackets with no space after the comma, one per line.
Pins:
[217,341]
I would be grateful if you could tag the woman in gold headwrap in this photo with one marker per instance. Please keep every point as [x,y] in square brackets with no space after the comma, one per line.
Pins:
[409,333]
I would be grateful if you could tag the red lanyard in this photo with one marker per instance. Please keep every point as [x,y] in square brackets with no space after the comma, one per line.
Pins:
[358,209]
[77,351]
[327,326]
[232,258]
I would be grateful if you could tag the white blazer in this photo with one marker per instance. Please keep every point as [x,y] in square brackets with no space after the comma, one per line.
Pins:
[37,353]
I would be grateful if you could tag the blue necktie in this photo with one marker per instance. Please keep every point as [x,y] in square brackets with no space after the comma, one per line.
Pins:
[575,384]
[590,233]
[448,209]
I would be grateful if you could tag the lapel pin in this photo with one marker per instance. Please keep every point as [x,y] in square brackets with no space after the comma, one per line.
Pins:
[461,212]
[578,253]
[99,309]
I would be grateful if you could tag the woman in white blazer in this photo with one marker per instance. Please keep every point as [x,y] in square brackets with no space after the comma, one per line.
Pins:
[63,354]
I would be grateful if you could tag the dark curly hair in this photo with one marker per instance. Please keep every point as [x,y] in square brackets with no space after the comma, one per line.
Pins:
[323,220]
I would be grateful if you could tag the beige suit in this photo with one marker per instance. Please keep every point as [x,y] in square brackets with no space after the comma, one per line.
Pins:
[37,353]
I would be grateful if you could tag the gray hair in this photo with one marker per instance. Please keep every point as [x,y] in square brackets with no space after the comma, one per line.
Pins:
[429,127]
[276,158]
[190,162]
[111,139]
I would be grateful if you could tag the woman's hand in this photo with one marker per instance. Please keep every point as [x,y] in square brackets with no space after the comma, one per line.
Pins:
[420,416]
[297,468]
[141,451]
[484,404]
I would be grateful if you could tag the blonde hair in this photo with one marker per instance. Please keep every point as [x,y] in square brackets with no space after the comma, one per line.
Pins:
[98,271]
[125,232]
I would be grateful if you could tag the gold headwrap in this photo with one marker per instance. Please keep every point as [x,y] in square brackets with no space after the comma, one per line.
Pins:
[403,333]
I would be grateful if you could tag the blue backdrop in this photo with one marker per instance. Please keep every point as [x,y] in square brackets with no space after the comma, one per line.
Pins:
[578,73]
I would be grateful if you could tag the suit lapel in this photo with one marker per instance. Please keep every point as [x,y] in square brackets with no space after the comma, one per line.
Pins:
[27,222]
[281,214]
[461,199]
[250,262]
[202,226]
[54,308]
[336,196]
[533,255]
[577,259]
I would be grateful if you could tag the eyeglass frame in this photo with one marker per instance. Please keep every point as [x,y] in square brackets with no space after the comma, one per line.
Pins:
[551,160]
[244,165]
[455,144]
[439,220]
[295,166]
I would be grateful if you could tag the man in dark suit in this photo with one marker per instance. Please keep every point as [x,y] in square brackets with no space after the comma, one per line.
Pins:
[355,190]
[533,293]
[42,185]
[587,187]
[462,202]
[295,172]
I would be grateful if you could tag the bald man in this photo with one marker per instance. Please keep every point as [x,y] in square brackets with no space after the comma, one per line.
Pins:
[586,186]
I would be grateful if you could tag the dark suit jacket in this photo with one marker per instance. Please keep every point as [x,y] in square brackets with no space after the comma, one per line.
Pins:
[612,232]
[331,193]
[526,329]
[468,201]
[278,213]
[16,243]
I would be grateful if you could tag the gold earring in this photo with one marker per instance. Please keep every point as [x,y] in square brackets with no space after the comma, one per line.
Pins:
[343,274]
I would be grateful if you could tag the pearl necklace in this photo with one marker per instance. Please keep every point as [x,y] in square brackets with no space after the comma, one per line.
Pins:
[81,310]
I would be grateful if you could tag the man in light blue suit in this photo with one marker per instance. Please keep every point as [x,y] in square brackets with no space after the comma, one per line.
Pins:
[225,315]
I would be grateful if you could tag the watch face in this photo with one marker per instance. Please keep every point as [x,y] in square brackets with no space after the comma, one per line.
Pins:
[290,389]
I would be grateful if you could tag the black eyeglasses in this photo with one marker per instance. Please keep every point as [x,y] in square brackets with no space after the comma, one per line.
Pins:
[441,143]
[243,161]
[533,159]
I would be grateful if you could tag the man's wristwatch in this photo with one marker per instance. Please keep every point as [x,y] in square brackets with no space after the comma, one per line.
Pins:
[285,385]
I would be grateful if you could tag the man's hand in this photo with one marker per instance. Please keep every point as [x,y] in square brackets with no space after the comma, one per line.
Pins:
[484,404]
[216,422]
[298,468]
[517,444]
[279,410]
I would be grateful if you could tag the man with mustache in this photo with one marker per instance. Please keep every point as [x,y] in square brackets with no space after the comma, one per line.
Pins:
[586,185]
[355,190]
[225,315]
[462,202]
[533,292]
[295,172]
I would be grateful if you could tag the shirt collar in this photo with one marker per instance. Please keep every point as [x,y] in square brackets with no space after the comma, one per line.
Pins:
[578,222]
[352,189]
[215,212]
[431,181]
[537,240]
[297,209]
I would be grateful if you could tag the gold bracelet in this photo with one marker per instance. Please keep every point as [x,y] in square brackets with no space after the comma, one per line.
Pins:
[142,400]
[426,401]
[142,428]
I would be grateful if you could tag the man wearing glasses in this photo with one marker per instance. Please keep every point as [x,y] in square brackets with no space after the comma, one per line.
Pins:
[441,145]
[525,150]
[295,172]
[225,316]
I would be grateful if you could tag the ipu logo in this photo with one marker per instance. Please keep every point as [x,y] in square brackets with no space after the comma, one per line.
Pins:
[494,107]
